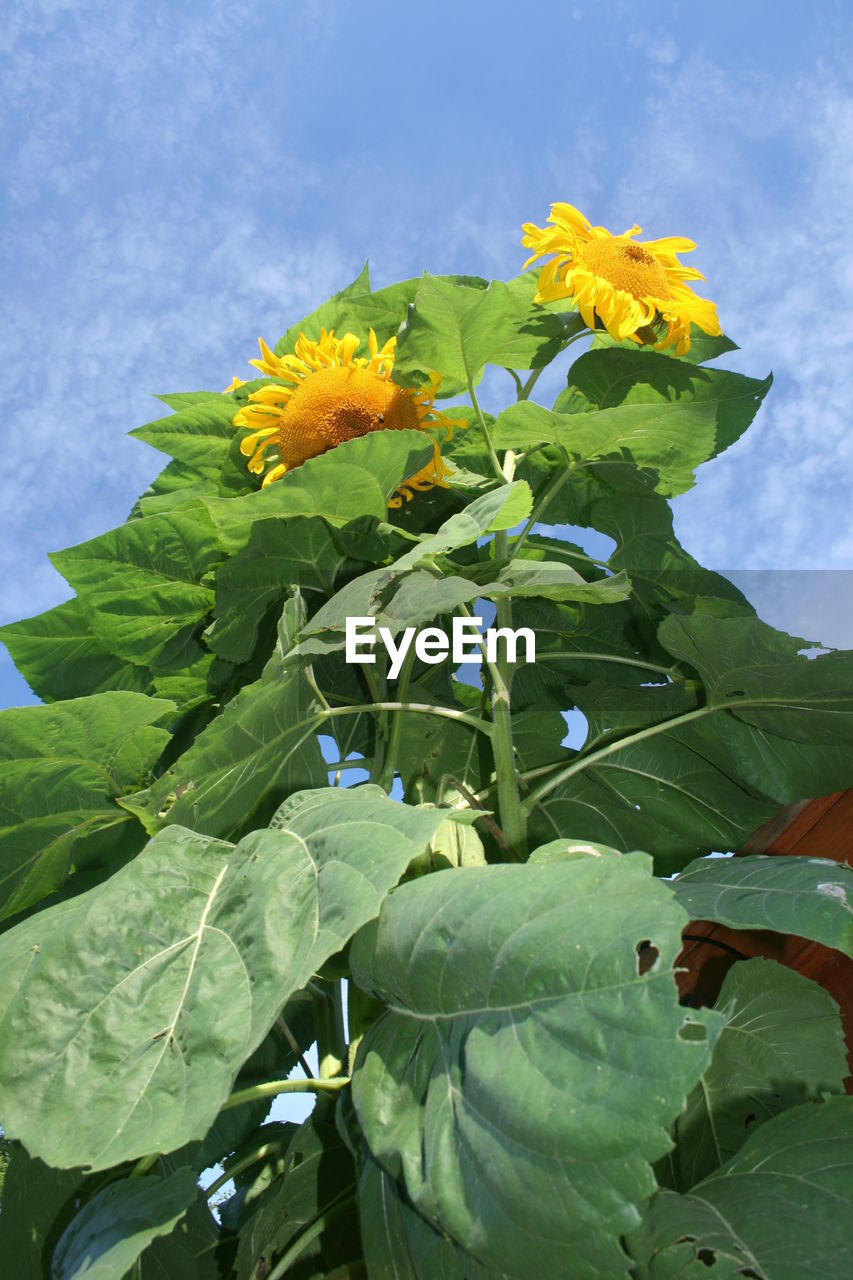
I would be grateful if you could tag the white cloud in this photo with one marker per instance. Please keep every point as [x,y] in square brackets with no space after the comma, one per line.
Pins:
[774,245]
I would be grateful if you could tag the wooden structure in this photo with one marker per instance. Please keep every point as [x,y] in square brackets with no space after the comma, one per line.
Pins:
[821,828]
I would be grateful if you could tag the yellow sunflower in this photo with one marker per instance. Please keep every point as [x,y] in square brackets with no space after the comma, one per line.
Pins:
[634,287]
[327,394]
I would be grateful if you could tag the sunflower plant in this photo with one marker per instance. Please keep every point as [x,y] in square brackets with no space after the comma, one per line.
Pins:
[238,864]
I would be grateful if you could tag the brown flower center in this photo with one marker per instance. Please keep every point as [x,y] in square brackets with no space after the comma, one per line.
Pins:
[337,404]
[627,266]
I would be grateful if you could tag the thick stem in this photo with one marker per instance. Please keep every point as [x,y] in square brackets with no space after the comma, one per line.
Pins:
[386,776]
[513,820]
[329,1029]
[272,1088]
[142,1166]
[376,684]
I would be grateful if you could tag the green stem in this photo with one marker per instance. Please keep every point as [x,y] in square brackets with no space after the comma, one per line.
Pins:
[420,708]
[311,1233]
[294,1045]
[376,685]
[513,821]
[142,1166]
[539,508]
[525,390]
[577,766]
[516,380]
[272,1088]
[582,656]
[386,777]
[493,457]
[235,1169]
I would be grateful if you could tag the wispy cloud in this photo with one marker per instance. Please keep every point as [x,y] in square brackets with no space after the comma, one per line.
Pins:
[765,172]
[169,201]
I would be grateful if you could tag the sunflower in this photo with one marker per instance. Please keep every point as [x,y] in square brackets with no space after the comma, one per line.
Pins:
[324,394]
[634,287]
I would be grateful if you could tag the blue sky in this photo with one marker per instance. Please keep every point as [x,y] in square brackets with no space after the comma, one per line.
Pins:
[181,178]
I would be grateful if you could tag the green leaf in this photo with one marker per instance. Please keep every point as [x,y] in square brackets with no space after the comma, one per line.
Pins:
[348,309]
[780,1209]
[703,346]
[605,379]
[757,674]
[303,550]
[809,897]
[420,595]
[660,790]
[526,1071]
[110,1232]
[672,439]
[685,768]
[59,657]
[140,585]
[198,435]
[782,1044]
[456,331]
[190,1251]
[63,767]
[555,580]
[128,1011]
[355,479]
[568,850]
[280,554]
[37,1204]
[317,1187]
[401,1245]
[260,747]
[501,508]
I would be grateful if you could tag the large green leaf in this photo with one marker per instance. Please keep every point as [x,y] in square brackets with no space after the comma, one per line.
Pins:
[140,585]
[259,748]
[59,657]
[110,1232]
[421,591]
[357,309]
[37,1205]
[401,1245]
[198,434]
[128,1011]
[354,308]
[304,550]
[780,1209]
[604,379]
[757,673]
[63,766]
[673,439]
[810,897]
[190,1251]
[456,330]
[319,1183]
[355,479]
[525,1074]
[694,764]
[782,1044]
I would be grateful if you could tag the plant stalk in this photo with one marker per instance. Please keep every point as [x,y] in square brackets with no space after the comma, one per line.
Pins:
[272,1088]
